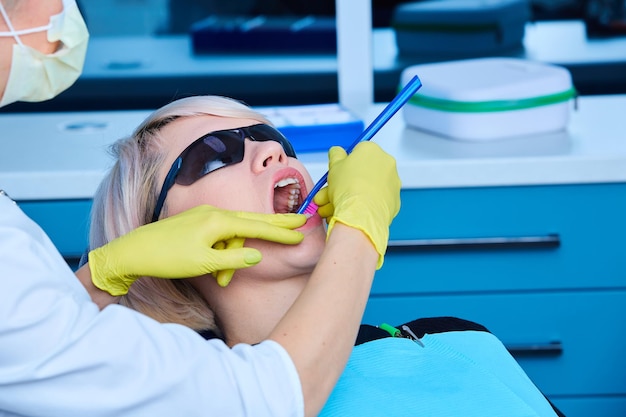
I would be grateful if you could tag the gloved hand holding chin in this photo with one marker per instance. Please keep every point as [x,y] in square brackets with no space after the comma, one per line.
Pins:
[188,245]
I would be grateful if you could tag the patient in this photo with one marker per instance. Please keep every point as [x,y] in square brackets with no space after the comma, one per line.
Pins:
[268,179]
[460,369]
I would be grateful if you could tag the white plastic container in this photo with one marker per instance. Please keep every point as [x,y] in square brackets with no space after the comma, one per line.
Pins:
[489,98]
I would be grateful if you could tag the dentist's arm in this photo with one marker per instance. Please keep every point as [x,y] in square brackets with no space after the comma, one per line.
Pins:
[320,329]
[60,356]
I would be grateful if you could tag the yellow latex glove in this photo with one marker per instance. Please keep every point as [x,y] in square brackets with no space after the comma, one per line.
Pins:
[188,245]
[363,192]
[224,277]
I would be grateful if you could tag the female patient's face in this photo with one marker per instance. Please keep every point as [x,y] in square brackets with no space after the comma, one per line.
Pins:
[245,186]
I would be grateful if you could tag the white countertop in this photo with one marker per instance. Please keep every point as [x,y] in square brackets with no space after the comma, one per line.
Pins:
[64,155]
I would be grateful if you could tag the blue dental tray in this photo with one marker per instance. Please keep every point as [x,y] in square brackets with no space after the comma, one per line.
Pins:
[315,128]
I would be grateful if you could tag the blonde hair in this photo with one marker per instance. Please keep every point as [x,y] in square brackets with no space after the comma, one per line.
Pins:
[126,198]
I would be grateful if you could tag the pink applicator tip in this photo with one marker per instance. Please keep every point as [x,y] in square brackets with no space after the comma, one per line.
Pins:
[310,210]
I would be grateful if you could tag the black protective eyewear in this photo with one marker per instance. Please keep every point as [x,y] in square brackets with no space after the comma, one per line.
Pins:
[213,151]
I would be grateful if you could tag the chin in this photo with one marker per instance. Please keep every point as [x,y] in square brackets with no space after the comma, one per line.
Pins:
[297,258]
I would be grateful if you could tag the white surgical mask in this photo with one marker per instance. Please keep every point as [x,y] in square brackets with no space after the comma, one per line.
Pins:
[36,76]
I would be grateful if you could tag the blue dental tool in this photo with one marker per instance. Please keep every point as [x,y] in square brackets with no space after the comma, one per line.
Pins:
[403,96]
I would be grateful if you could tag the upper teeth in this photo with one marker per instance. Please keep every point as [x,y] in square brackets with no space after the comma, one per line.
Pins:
[285,182]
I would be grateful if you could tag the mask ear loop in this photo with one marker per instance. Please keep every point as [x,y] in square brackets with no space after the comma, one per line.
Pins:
[16,33]
[12,31]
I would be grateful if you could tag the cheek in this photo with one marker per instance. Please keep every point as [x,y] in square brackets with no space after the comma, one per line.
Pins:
[305,173]
[212,191]
[295,258]
[181,198]
[180,201]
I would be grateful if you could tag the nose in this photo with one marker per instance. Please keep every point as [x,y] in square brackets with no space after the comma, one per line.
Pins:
[265,154]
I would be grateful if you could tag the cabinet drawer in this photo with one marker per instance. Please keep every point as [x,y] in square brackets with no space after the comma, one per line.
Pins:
[506,238]
[65,221]
[590,406]
[569,343]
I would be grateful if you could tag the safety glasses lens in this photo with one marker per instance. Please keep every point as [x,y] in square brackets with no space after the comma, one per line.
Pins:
[209,153]
[222,148]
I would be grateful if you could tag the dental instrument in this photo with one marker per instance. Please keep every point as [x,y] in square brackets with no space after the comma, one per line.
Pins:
[308,207]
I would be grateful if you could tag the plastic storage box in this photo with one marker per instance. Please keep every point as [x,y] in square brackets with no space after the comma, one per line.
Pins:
[489,98]
[464,28]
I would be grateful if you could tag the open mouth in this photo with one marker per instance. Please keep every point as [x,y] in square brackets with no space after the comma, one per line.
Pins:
[287,198]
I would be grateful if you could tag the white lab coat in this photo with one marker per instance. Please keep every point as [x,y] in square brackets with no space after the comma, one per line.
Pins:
[61,356]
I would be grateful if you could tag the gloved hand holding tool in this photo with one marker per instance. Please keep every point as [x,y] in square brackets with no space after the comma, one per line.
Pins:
[359,196]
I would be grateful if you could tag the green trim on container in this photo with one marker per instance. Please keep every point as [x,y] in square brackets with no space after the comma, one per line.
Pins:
[491,106]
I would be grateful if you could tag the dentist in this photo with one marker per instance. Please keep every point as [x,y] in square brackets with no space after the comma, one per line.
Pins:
[65,351]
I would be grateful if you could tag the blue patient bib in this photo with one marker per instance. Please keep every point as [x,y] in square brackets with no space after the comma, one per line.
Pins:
[464,373]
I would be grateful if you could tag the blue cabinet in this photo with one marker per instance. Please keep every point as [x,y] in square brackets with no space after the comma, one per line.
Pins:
[65,221]
[542,267]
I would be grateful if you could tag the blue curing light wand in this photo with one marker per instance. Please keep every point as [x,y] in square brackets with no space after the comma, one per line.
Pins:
[392,108]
